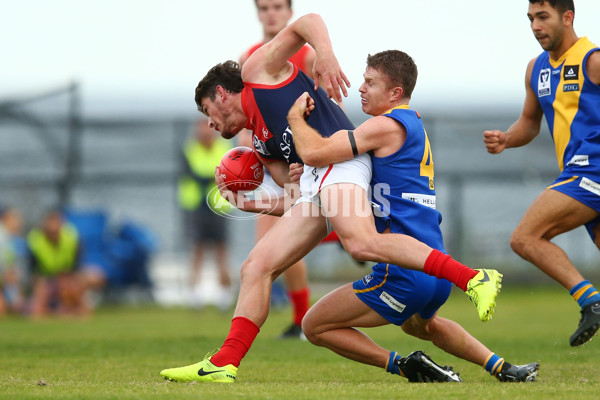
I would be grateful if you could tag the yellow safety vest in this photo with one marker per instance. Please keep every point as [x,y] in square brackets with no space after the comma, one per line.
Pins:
[202,162]
[54,258]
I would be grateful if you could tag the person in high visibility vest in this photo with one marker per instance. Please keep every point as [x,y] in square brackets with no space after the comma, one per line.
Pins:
[203,209]
[11,270]
[54,250]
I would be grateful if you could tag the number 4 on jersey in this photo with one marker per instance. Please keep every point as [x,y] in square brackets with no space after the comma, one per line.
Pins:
[427,163]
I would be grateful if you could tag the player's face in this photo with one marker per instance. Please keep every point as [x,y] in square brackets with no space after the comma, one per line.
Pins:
[375,94]
[546,24]
[273,15]
[223,117]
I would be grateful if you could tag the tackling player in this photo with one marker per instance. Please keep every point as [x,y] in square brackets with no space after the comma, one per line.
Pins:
[406,200]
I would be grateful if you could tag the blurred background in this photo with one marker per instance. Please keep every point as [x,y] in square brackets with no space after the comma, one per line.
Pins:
[96,102]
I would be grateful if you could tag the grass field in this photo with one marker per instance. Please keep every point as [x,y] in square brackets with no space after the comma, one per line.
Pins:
[118,353]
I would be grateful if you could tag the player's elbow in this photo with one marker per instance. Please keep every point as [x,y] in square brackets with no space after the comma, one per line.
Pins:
[361,248]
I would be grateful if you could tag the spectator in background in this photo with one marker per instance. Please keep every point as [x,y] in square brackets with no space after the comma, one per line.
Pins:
[55,264]
[274,15]
[11,271]
[207,229]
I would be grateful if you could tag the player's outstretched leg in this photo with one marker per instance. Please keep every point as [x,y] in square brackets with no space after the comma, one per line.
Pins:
[518,373]
[419,367]
[588,324]
[203,371]
[483,289]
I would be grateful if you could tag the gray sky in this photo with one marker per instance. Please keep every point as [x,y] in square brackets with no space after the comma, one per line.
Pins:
[152,53]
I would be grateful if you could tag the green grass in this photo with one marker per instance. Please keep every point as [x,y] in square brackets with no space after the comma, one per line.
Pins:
[118,353]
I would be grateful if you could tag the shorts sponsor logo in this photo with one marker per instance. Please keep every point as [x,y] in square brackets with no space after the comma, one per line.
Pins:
[571,72]
[571,87]
[426,200]
[581,160]
[368,278]
[392,302]
[544,83]
[590,186]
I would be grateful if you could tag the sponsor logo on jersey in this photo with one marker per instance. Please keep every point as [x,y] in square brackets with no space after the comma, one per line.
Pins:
[426,200]
[578,159]
[590,186]
[286,144]
[392,302]
[571,73]
[571,87]
[544,83]
[265,132]
[260,146]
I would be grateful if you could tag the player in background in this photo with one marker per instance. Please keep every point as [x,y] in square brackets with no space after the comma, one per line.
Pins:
[396,140]
[274,15]
[259,97]
[562,84]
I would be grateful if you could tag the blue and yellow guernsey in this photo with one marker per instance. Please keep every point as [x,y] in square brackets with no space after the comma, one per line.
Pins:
[403,184]
[571,104]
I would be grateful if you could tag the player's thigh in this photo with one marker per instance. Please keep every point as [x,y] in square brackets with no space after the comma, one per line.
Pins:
[348,209]
[340,308]
[553,213]
[293,235]
[263,224]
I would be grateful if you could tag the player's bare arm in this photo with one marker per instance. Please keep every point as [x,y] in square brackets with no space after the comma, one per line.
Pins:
[380,134]
[269,64]
[592,67]
[525,129]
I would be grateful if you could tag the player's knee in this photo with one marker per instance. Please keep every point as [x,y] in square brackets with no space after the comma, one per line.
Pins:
[518,242]
[253,268]
[416,327]
[309,327]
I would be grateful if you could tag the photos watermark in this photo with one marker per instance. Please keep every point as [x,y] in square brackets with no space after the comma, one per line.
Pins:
[344,199]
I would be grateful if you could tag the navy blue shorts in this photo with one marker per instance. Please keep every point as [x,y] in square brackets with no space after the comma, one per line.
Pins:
[396,293]
[585,189]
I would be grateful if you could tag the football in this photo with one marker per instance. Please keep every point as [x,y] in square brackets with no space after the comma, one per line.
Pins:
[241,170]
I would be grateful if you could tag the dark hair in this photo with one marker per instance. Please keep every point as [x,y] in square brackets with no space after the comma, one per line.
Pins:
[289,3]
[227,74]
[399,68]
[560,5]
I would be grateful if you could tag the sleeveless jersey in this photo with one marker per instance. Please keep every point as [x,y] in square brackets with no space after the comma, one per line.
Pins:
[403,186]
[299,59]
[571,105]
[267,106]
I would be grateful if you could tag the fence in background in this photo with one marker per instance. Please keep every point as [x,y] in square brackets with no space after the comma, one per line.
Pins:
[51,155]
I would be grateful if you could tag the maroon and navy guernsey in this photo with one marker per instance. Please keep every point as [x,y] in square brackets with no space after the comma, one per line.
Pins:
[267,106]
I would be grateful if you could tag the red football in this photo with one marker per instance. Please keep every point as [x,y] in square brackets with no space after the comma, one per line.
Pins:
[241,169]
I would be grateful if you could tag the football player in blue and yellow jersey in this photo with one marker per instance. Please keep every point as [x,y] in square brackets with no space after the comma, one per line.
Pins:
[562,84]
[404,194]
